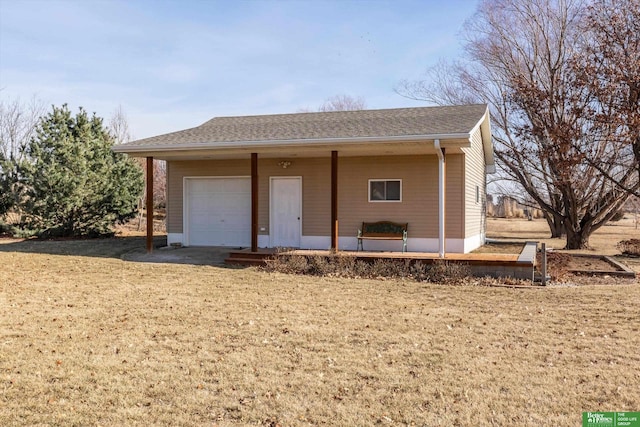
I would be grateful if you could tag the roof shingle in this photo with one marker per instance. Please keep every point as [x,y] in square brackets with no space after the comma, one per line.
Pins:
[331,125]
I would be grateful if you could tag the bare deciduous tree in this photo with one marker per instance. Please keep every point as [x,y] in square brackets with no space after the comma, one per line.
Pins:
[343,103]
[119,126]
[18,121]
[519,55]
[610,71]
[160,183]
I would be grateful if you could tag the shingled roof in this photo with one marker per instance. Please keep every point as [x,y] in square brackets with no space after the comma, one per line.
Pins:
[398,122]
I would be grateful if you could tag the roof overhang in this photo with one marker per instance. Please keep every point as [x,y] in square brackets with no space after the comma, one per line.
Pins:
[360,146]
[484,124]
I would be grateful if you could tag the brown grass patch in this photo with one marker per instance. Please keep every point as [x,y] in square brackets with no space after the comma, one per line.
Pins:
[95,340]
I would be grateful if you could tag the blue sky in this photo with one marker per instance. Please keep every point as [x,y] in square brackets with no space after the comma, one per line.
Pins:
[175,64]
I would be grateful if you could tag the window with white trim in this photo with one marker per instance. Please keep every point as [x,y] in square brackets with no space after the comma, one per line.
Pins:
[385,190]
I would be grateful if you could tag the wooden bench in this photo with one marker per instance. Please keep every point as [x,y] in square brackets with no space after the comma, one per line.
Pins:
[382,230]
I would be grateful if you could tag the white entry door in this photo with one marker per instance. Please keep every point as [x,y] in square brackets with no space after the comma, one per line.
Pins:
[285,212]
[218,211]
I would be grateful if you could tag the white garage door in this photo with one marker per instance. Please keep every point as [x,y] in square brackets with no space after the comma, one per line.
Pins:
[219,211]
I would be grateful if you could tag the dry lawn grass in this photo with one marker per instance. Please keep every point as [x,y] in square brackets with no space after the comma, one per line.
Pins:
[93,340]
[603,241]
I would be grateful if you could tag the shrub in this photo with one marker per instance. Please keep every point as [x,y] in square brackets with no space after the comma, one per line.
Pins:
[419,271]
[24,233]
[347,264]
[381,268]
[629,247]
[6,229]
[11,230]
[350,267]
[447,272]
[290,264]
[320,265]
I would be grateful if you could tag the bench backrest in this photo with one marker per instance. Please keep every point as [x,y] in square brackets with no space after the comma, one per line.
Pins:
[383,229]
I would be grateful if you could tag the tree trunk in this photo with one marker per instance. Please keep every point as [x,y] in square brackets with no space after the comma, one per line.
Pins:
[140,205]
[557,229]
[578,239]
[556,225]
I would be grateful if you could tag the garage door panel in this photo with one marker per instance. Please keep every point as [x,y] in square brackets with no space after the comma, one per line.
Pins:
[199,186]
[219,211]
[236,185]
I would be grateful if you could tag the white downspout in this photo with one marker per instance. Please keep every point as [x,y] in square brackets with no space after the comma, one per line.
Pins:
[441,197]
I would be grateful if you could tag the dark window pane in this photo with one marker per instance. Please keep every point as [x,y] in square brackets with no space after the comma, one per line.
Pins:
[393,190]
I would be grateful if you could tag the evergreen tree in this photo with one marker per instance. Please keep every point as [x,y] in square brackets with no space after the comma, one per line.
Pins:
[6,201]
[9,185]
[76,185]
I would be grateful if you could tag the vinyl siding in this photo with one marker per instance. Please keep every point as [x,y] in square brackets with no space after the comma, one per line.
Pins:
[419,205]
[474,175]
[315,173]
[316,193]
[454,196]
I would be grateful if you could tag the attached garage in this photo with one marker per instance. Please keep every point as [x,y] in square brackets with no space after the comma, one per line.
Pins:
[217,211]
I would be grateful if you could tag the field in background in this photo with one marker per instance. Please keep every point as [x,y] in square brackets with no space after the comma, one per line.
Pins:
[91,339]
[603,241]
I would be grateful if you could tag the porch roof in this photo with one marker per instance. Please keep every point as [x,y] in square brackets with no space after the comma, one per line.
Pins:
[355,131]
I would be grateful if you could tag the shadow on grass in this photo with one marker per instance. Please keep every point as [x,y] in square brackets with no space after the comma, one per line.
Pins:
[113,247]
[132,249]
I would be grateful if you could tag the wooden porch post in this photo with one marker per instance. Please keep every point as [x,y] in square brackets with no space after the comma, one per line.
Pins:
[334,200]
[254,202]
[149,204]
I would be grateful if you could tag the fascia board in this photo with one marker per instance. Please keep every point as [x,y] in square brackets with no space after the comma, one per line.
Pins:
[484,124]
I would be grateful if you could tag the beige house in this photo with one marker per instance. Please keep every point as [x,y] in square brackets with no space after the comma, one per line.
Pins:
[309,180]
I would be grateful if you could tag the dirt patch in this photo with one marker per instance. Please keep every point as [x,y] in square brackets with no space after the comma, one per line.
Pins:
[589,263]
[566,268]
